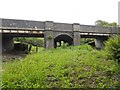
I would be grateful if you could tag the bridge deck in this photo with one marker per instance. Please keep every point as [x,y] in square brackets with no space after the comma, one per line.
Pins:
[37,27]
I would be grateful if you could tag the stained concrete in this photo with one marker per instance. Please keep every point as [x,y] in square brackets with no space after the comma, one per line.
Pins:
[7,44]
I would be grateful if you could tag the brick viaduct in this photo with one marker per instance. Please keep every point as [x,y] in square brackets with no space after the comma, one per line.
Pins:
[52,32]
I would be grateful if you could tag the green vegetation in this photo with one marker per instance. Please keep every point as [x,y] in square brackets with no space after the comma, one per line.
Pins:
[105,24]
[66,67]
[39,42]
[33,43]
[113,48]
[76,67]
[87,40]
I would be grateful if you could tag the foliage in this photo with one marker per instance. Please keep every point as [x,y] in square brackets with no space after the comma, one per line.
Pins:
[113,48]
[33,41]
[50,37]
[72,67]
[86,40]
[106,24]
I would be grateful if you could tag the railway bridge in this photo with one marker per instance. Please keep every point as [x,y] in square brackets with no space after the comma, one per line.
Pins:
[52,32]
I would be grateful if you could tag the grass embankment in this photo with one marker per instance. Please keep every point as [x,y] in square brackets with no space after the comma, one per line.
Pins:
[76,67]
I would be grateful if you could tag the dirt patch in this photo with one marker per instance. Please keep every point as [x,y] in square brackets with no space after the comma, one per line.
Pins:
[15,55]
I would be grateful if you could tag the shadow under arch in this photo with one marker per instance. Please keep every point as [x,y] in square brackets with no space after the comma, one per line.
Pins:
[63,39]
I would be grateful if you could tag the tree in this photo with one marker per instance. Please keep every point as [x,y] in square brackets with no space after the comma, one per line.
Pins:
[105,24]
[39,42]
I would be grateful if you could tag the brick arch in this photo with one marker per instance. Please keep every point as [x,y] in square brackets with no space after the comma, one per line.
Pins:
[56,34]
[66,38]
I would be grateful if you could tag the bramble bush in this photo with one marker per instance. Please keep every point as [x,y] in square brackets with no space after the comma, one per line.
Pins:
[112,47]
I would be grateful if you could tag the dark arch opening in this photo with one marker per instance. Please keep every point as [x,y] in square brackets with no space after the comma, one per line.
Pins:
[62,39]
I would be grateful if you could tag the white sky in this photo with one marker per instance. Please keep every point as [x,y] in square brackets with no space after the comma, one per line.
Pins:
[66,11]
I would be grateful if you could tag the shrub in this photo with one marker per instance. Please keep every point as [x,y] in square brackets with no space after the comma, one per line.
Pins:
[39,42]
[113,48]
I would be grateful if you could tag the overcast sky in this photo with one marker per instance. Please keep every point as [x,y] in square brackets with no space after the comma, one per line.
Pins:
[66,11]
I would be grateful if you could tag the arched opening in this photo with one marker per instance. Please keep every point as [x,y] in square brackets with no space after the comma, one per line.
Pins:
[63,39]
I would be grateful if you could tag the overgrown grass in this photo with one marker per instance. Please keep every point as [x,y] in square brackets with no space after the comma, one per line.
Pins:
[76,67]
[113,48]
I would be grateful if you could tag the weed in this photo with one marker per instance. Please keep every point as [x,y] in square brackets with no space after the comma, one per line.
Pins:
[74,67]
